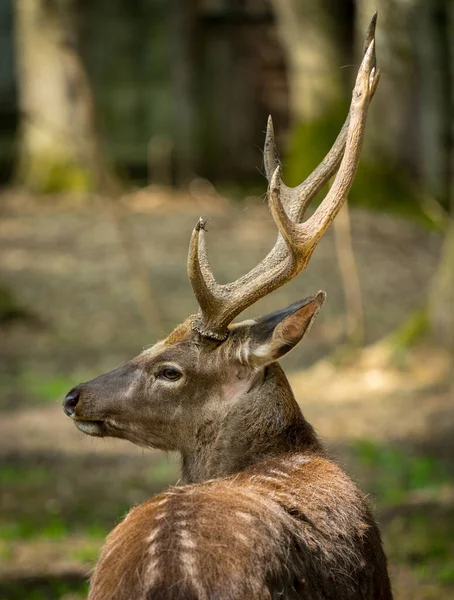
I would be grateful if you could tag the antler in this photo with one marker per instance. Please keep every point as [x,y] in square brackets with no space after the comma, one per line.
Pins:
[220,304]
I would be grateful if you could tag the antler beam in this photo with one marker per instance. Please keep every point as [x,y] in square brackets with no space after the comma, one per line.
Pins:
[220,304]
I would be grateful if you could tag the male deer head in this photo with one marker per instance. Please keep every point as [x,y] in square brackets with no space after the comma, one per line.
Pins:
[210,384]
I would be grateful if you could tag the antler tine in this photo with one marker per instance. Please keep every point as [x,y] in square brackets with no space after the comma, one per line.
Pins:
[220,304]
[370,36]
[366,84]
[289,230]
[302,195]
[302,238]
[270,153]
[297,199]
[206,290]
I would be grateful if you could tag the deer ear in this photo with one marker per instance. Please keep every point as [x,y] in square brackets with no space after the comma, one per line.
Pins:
[272,336]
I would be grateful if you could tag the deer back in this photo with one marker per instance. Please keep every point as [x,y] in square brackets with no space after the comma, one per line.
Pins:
[289,527]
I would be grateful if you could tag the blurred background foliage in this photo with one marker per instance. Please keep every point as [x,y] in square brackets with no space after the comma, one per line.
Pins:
[120,122]
[197,80]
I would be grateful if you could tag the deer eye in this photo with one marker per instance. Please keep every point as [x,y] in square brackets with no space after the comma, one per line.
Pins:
[170,374]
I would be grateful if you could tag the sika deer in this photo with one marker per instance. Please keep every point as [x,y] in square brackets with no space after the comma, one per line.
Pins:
[264,514]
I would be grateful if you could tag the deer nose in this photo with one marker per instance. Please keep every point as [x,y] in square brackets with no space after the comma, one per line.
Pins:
[70,401]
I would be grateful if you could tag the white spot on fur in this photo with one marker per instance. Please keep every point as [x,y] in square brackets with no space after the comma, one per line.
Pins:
[300,460]
[153,566]
[243,515]
[162,501]
[152,571]
[268,478]
[153,535]
[186,540]
[279,473]
[189,562]
[180,515]
[189,565]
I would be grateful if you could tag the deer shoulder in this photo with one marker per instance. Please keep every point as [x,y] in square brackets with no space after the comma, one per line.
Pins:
[290,527]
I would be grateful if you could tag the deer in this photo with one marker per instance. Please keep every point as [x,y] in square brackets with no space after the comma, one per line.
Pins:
[263,511]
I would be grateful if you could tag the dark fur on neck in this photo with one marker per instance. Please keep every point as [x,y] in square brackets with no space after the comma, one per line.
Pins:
[251,431]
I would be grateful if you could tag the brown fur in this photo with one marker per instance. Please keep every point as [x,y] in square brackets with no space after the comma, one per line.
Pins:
[265,513]
[290,527]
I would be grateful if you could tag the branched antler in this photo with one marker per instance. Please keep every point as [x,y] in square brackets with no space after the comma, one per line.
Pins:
[220,304]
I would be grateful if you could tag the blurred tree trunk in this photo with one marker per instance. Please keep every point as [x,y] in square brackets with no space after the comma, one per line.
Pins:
[89,146]
[412,129]
[184,85]
[61,148]
[49,153]
[308,35]
[441,296]
[350,278]
[407,129]
[435,111]
[392,127]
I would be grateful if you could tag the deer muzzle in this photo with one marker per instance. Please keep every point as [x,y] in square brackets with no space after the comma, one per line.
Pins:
[94,404]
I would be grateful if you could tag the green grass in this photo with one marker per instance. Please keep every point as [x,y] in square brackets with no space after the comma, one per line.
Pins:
[20,476]
[420,530]
[6,552]
[46,388]
[417,536]
[425,541]
[162,473]
[48,503]
[62,498]
[29,387]
[26,528]
[394,473]
[47,588]
[89,552]
[57,526]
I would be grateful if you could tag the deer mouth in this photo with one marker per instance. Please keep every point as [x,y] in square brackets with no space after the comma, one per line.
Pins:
[94,428]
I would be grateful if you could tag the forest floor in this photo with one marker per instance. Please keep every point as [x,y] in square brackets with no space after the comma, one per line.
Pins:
[390,423]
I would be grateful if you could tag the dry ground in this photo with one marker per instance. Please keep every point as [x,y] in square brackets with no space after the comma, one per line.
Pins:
[61,491]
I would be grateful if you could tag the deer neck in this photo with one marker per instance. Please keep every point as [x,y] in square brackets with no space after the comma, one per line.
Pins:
[264,422]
